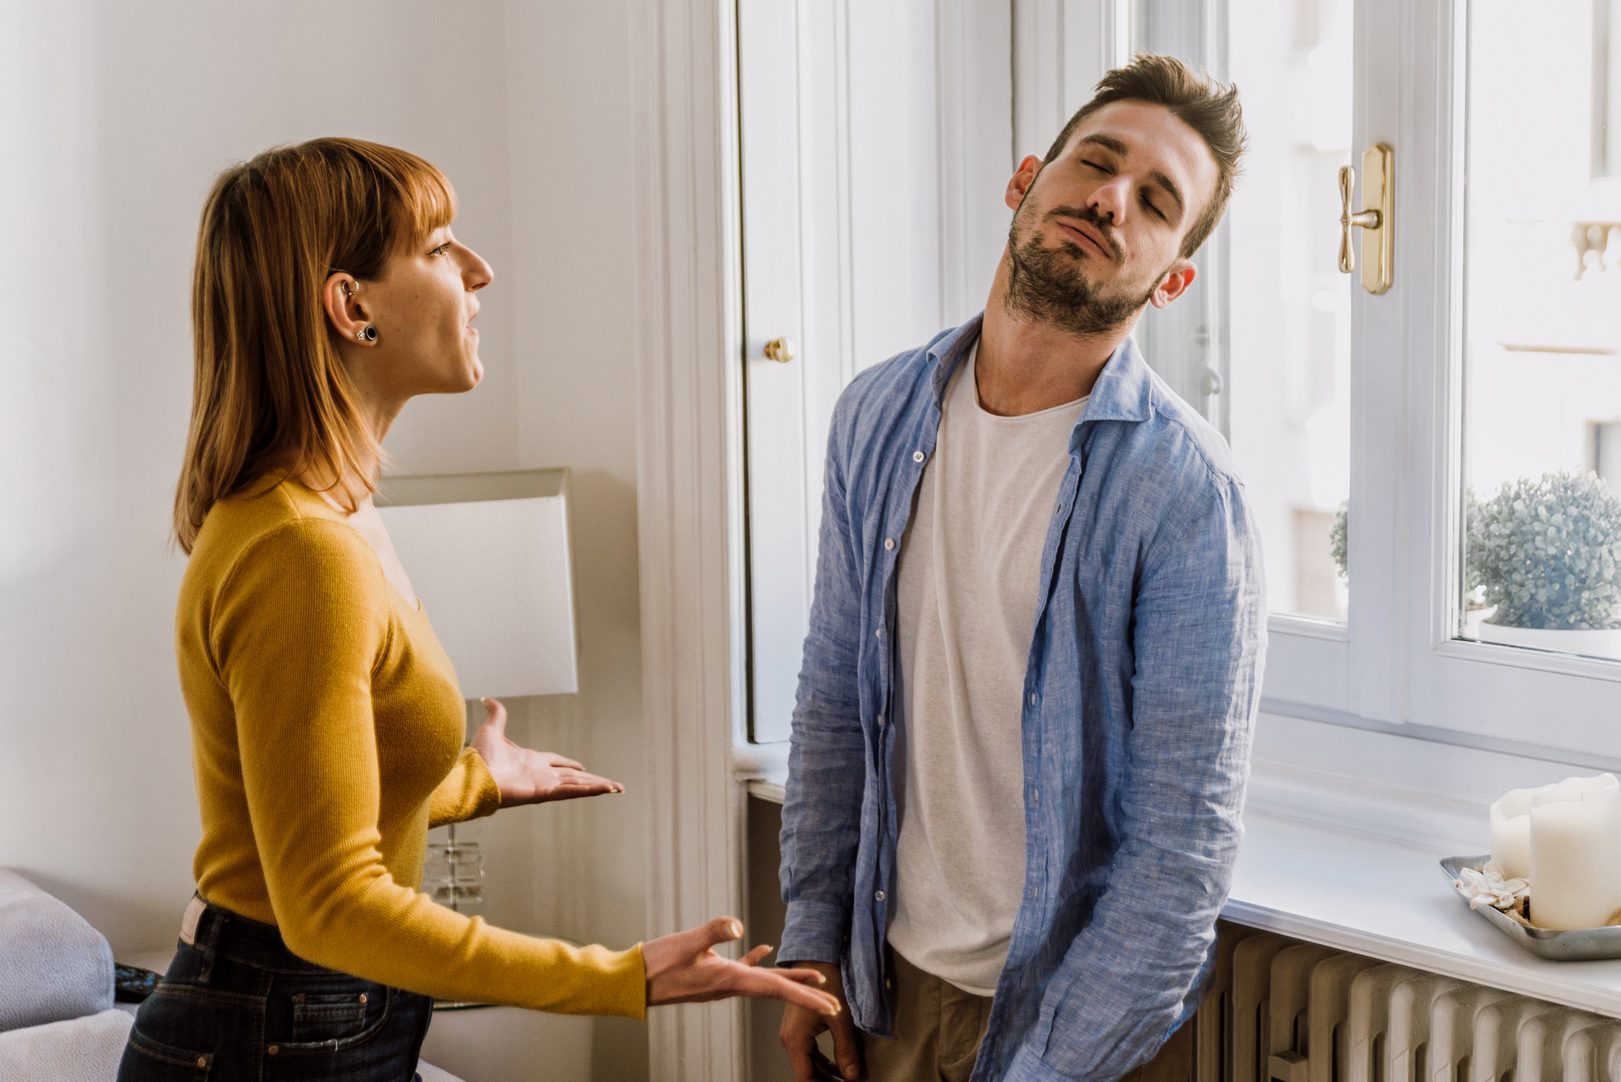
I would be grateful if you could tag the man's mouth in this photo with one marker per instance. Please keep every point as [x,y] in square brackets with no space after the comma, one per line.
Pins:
[1090,237]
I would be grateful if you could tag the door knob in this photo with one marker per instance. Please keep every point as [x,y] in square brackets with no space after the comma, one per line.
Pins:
[781,350]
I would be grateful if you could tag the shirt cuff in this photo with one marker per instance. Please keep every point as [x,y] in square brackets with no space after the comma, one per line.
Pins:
[813,932]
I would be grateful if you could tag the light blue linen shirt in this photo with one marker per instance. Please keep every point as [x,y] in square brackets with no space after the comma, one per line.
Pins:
[1140,695]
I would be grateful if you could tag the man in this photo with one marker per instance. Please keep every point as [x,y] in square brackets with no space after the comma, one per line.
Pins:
[1024,717]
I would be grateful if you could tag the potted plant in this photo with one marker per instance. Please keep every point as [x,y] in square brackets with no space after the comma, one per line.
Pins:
[1548,553]
[1474,608]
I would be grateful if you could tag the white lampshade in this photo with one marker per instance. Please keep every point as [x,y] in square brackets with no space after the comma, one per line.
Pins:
[488,555]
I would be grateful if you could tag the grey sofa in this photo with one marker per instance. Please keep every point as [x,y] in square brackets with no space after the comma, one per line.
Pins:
[58,1022]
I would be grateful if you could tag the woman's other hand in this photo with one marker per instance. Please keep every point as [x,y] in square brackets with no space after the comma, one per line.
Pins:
[531,777]
[684,968]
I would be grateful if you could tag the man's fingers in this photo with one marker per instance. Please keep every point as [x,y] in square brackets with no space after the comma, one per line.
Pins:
[845,1048]
[800,1048]
[753,957]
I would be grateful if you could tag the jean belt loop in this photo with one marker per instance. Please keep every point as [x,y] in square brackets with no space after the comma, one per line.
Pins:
[209,946]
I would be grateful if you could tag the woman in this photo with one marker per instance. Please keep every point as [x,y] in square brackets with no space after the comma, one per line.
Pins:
[326,720]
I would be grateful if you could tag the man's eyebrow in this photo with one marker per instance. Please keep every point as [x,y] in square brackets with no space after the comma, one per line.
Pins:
[1110,143]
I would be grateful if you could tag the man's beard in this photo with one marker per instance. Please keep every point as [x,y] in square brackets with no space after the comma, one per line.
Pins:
[1045,285]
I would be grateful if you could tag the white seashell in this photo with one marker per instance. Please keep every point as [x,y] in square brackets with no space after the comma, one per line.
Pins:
[1486,886]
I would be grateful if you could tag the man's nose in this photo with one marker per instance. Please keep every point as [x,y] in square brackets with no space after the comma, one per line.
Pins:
[1109,200]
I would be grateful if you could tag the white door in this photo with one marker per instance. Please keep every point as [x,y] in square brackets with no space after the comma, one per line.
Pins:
[875,137]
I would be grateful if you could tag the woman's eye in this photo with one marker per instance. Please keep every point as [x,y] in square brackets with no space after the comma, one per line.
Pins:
[441,250]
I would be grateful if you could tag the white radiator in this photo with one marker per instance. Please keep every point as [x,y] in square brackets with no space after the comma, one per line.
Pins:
[1283,1011]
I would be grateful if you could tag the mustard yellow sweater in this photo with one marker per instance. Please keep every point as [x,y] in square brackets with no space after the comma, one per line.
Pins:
[327,736]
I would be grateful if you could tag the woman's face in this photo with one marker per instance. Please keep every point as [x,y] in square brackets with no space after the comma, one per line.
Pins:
[422,305]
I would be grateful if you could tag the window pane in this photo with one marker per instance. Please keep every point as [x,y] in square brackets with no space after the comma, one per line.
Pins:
[1289,333]
[1541,456]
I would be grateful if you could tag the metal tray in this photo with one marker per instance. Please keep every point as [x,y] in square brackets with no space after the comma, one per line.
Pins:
[1577,945]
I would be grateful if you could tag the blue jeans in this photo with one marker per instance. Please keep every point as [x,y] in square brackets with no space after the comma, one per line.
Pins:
[237,1004]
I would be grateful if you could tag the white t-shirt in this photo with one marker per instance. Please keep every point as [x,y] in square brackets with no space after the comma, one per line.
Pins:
[967,608]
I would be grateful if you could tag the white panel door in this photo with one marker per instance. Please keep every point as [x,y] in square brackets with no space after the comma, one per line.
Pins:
[875,136]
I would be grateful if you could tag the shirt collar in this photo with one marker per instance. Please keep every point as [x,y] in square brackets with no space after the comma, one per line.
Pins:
[1124,390]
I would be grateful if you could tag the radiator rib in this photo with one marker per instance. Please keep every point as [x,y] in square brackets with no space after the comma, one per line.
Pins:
[1278,1010]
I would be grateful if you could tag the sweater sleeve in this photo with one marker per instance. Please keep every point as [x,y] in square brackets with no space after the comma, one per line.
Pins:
[299,626]
[468,792]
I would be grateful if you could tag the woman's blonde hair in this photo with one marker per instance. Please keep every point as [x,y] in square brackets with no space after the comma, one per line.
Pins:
[271,393]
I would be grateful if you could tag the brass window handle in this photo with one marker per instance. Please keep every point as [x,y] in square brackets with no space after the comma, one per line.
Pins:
[1376,220]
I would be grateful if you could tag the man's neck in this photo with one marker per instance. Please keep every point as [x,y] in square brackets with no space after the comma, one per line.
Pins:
[1025,366]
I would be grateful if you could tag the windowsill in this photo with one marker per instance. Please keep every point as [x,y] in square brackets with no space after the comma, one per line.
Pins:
[1331,858]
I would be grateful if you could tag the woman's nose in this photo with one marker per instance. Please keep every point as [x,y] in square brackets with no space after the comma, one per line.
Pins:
[477,274]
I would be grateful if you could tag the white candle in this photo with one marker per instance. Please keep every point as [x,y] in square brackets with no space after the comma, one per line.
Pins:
[1511,833]
[1575,844]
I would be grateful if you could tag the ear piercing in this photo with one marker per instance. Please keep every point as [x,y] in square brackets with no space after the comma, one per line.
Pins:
[367,333]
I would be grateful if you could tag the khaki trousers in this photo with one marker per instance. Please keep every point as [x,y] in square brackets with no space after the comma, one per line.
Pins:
[938,1028]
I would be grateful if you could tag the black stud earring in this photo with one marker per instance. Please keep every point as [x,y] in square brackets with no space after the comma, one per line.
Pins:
[369,334]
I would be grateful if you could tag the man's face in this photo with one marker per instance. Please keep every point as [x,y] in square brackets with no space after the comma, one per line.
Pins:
[1097,232]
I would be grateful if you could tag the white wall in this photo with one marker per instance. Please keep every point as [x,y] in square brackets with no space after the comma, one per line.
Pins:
[116,118]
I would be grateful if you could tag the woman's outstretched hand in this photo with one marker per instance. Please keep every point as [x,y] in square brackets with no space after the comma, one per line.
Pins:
[531,777]
[683,968]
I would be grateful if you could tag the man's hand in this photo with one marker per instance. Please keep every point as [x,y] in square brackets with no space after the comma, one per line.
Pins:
[800,1027]
[531,777]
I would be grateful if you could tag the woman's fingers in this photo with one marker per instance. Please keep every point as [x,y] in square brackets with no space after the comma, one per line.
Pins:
[719,930]
[753,957]
[594,782]
[763,982]
[495,716]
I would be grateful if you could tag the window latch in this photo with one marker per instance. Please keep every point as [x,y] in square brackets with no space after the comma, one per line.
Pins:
[1376,220]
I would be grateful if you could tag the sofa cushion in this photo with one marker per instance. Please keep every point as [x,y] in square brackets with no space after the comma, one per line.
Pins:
[80,1050]
[53,964]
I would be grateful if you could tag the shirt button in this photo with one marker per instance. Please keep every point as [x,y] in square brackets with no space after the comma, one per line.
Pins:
[1034,698]
[1035,794]
[878,633]
[878,896]
[273,1049]
[889,544]
[917,456]
[202,1061]
[880,721]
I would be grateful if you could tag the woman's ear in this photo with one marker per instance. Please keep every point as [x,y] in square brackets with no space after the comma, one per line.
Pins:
[345,309]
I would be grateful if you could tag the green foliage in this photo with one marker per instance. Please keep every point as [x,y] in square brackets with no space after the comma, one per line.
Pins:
[1548,551]
[1339,546]
[1338,535]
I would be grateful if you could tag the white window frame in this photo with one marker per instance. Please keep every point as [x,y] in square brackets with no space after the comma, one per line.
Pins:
[1395,662]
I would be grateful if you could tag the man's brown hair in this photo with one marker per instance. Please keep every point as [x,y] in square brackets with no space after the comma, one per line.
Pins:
[1208,107]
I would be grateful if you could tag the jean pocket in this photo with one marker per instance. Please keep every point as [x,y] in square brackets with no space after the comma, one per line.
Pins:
[329,1016]
[148,1060]
[331,1020]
